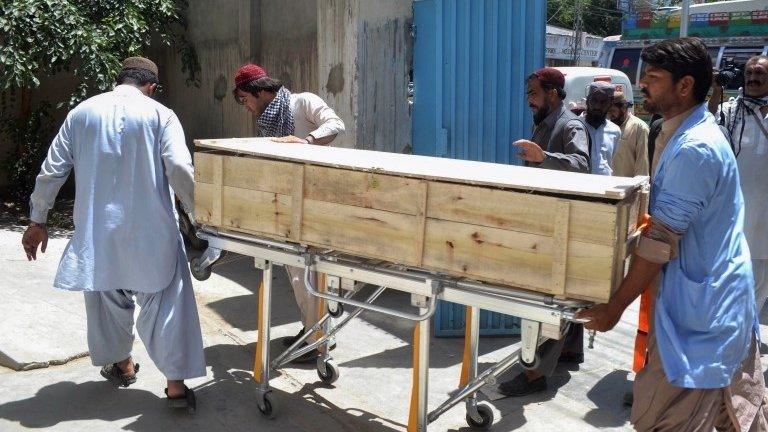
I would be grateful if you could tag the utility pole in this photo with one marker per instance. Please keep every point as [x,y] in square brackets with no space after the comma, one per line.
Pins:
[578,25]
[684,18]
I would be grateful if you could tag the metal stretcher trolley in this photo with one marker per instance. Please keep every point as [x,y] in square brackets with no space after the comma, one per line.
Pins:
[542,315]
[532,243]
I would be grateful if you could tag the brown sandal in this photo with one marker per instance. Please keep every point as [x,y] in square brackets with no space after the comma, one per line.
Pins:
[115,375]
[187,401]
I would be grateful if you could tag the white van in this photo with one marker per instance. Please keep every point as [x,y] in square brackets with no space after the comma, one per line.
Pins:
[577,79]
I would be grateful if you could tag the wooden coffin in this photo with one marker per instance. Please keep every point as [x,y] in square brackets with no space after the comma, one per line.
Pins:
[548,231]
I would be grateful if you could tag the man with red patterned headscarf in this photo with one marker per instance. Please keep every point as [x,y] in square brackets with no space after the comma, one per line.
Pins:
[290,118]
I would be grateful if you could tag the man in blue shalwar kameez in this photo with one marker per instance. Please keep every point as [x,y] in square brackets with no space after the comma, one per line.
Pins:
[129,156]
[703,364]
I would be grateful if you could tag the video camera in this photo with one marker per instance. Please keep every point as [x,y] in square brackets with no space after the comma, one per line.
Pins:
[729,74]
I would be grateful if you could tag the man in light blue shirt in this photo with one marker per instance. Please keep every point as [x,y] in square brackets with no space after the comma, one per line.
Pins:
[129,156]
[703,365]
[604,133]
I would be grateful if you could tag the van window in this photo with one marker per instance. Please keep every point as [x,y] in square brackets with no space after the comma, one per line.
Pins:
[626,60]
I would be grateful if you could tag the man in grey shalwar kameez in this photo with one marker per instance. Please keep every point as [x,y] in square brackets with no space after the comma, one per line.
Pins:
[129,156]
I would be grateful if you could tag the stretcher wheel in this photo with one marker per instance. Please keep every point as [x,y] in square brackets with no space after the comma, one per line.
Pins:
[327,372]
[486,413]
[533,365]
[268,408]
[337,311]
[199,273]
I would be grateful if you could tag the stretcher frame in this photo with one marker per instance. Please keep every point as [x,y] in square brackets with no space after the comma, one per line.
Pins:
[542,316]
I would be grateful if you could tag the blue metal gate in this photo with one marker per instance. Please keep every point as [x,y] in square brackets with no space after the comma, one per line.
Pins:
[470,61]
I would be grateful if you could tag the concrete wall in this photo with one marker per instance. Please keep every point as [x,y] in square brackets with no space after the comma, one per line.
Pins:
[288,43]
[220,30]
[385,49]
[226,34]
[356,54]
[365,57]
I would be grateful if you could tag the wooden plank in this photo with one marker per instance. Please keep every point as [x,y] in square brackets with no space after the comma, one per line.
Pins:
[433,168]
[204,202]
[623,212]
[508,257]
[297,197]
[259,174]
[367,232]
[560,238]
[361,189]
[204,167]
[421,217]
[218,174]
[522,212]
[257,211]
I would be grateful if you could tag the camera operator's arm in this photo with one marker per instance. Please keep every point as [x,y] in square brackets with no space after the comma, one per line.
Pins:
[717,95]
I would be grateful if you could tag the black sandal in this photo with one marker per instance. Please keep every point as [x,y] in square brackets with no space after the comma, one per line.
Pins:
[115,375]
[186,401]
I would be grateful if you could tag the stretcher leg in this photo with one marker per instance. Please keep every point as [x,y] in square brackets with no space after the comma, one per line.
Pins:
[327,369]
[265,402]
[478,415]
[417,421]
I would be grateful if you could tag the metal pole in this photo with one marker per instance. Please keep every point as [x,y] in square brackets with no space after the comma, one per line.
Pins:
[265,317]
[684,18]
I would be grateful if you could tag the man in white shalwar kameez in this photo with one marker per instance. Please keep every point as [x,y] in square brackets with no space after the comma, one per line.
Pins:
[746,119]
[129,156]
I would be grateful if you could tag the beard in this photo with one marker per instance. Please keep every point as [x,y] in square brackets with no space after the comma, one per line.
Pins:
[541,114]
[619,120]
[651,106]
[594,118]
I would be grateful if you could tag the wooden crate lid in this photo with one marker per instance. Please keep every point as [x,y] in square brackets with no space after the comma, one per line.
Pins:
[434,168]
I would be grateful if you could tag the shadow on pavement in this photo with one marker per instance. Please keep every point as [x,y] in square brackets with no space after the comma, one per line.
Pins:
[68,401]
[231,365]
[608,395]
[227,402]
[241,311]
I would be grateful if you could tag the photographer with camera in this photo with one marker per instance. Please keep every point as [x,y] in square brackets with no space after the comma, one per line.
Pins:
[745,118]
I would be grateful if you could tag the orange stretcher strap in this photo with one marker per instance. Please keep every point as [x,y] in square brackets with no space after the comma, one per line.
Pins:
[643,322]
[641,339]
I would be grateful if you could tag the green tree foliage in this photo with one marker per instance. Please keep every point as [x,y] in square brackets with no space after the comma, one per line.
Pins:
[86,38]
[600,17]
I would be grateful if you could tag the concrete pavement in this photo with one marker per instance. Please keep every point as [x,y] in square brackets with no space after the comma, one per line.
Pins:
[372,393]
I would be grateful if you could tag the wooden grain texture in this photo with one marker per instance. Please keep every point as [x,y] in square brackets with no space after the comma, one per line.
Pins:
[361,189]
[433,168]
[367,232]
[297,202]
[204,167]
[557,244]
[204,202]
[257,211]
[590,221]
[258,174]
[560,240]
[514,258]
[421,217]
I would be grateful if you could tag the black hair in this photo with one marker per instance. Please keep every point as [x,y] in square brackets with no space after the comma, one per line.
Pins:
[139,77]
[262,84]
[683,57]
[547,86]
